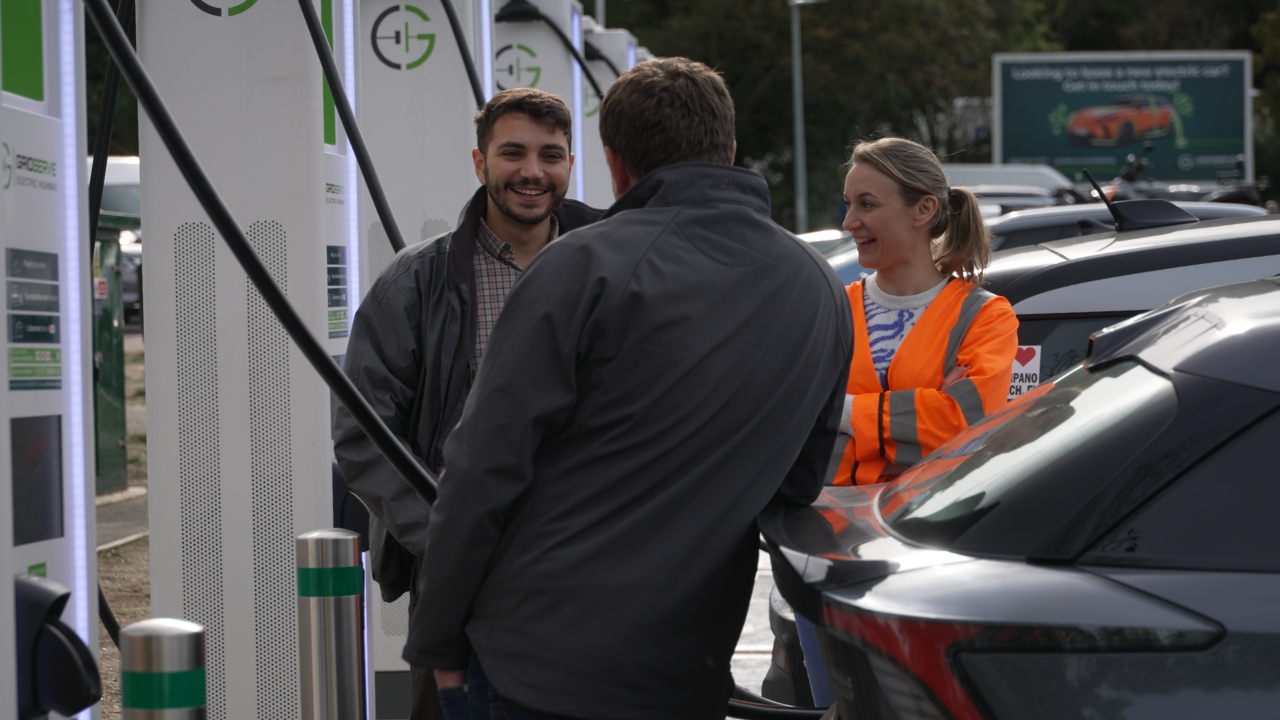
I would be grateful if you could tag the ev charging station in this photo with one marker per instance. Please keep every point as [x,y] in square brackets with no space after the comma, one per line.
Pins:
[530,54]
[617,50]
[47,529]
[415,106]
[238,423]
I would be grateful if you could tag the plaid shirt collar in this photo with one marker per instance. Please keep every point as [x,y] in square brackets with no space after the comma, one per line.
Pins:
[500,250]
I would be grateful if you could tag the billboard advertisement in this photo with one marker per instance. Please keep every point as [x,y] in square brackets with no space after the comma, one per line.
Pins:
[1091,110]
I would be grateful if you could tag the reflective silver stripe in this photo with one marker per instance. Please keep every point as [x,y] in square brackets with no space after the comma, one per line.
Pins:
[902,427]
[965,393]
[837,455]
[969,310]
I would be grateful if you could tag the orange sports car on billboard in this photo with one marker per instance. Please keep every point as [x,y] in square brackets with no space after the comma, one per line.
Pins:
[1128,119]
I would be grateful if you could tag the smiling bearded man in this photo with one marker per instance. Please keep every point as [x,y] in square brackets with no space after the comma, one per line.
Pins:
[419,335]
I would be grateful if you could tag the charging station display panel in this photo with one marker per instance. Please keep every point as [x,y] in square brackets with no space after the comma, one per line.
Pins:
[416,107]
[530,54]
[46,451]
[238,421]
[619,49]
[36,464]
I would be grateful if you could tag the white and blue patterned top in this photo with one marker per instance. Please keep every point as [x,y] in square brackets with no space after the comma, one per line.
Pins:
[889,319]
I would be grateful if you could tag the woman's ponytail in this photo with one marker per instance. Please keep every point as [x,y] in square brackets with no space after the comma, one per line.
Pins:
[964,249]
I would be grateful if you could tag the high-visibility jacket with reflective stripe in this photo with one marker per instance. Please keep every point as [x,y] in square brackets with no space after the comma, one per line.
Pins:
[894,427]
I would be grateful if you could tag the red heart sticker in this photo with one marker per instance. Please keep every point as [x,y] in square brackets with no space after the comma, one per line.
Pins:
[1025,355]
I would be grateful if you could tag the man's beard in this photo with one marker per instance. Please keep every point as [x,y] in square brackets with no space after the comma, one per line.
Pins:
[495,194]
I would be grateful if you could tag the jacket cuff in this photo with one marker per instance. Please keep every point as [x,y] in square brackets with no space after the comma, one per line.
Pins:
[866,426]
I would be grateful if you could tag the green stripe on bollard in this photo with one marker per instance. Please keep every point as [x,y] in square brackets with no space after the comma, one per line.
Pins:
[162,690]
[330,582]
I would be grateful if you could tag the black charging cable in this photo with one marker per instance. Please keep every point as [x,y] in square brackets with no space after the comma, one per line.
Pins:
[594,53]
[102,141]
[371,182]
[419,479]
[525,11]
[423,482]
[467,62]
[97,178]
[108,618]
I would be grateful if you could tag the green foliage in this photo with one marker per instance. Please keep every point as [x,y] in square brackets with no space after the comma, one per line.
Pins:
[918,68]
[124,128]
[915,68]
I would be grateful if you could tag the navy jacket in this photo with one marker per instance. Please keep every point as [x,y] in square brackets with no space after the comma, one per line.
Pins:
[654,381]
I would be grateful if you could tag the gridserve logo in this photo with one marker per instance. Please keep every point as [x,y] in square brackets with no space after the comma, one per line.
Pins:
[513,61]
[8,167]
[398,37]
[234,9]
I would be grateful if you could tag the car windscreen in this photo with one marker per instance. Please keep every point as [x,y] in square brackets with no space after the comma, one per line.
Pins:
[122,199]
[1005,484]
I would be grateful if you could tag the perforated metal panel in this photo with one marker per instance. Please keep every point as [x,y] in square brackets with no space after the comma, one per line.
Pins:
[395,616]
[378,250]
[434,227]
[275,604]
[199,454]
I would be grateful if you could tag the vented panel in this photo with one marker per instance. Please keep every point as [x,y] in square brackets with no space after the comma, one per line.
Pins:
[434,227]
[199,457]
[395,616]
[379,250]
[275,601]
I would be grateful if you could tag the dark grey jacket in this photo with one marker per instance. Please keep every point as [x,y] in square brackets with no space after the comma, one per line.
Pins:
[409,355]
[655,380]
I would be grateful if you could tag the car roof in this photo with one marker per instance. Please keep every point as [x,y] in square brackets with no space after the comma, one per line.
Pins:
[121,170]
[1229,333]
[1051,216]
[967,174]
[1169,236]
[1206,253]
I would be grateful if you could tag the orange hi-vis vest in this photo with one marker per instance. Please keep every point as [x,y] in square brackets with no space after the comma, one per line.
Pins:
[965,326]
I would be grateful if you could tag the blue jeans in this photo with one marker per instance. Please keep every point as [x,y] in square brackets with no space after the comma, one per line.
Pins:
[478,700]
[819,682]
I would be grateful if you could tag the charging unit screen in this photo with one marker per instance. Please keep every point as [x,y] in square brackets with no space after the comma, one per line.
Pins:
[37,478]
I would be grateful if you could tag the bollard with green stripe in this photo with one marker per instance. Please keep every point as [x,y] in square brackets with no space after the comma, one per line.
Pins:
[331,625]
[162,673]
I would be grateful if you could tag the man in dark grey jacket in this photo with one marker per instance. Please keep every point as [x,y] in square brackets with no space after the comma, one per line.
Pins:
[656,379]
[421,330]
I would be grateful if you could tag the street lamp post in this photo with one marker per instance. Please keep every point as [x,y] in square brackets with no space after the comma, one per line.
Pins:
[797,94]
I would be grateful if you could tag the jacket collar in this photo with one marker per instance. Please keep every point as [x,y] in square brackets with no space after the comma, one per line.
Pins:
[696,183]
[570,215]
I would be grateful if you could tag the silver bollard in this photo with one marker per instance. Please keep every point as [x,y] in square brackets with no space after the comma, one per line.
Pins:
[162,670]
[331,625]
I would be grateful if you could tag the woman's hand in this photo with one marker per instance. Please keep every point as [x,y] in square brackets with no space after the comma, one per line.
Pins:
[954,376]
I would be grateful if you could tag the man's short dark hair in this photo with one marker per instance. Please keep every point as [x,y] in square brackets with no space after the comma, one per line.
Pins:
[539,105]
[667,111]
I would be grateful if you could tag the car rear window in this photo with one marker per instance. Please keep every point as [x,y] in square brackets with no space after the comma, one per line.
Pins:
[122,199]
[1220,515]
[1008,482]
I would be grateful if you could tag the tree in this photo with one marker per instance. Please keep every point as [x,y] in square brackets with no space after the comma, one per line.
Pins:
[871,68]
[124,128]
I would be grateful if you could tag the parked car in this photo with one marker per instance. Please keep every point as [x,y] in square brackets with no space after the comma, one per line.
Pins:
[1127,119]
[1102,547]
[1030,227]
[1009,187]
[121,219]
[1066,290]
